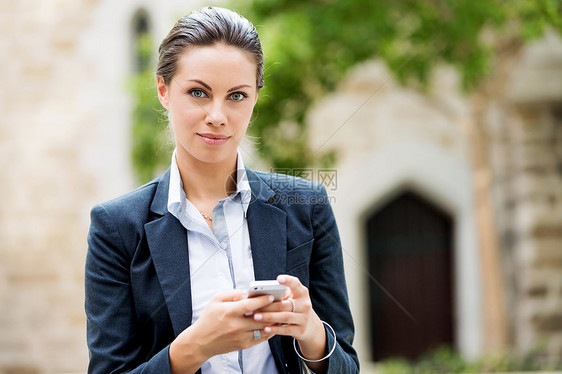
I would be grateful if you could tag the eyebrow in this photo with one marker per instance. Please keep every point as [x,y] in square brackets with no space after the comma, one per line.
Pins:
[210,89]
[201,83]
[239,87]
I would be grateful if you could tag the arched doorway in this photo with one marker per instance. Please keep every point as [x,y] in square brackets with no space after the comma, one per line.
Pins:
[410,258]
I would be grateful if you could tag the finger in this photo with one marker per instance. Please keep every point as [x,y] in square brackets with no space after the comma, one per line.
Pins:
[250,305]
[280,318]
[288,294]
[263,336]
[291,304]
[285,330]
[297,289]
[233,295]
[276,306]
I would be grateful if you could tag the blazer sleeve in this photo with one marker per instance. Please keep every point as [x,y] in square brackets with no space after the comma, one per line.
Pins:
[111,334]
[328,291]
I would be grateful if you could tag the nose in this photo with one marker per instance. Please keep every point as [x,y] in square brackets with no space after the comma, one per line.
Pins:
[215,114]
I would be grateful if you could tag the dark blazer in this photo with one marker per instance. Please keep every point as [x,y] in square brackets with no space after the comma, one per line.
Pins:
[138,292]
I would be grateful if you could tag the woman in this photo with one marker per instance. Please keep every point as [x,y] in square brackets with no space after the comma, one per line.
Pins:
[167,263]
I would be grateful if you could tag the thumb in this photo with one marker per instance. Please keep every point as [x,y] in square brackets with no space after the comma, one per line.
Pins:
[234,295]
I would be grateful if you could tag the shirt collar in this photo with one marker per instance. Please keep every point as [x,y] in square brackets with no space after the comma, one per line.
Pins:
[176,194]
[242,184]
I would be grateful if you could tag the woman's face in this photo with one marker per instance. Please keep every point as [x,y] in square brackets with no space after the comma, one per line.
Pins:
[210,100]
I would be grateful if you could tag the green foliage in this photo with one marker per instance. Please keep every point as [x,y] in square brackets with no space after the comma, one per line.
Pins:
[151,145]
[310,45]
[444,360]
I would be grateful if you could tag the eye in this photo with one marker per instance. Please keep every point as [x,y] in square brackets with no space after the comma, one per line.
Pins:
[197,93]
[238,96]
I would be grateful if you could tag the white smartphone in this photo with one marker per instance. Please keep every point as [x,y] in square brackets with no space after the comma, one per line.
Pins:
[270,287]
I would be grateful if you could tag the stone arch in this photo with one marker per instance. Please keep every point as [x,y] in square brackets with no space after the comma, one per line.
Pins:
[410,261]
[444,179]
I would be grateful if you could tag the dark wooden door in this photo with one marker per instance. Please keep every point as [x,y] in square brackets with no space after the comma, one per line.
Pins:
[411,286]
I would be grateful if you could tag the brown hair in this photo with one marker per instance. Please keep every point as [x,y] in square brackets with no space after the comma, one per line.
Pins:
[206,27]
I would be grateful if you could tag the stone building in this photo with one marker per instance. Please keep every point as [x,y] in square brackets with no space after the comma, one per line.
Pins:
[485,170]
[64,145]
[491,163]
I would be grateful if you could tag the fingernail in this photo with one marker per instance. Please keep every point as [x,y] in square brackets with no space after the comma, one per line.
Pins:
[249,314]
[258,317]
[271,298]
[267,329]
[281,279]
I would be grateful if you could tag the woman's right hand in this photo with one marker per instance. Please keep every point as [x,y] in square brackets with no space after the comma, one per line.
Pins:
[224,326]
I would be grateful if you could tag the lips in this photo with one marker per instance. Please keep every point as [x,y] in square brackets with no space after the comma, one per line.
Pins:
[214,139]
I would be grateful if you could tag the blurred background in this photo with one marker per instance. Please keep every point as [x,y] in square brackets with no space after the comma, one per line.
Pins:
[436,127]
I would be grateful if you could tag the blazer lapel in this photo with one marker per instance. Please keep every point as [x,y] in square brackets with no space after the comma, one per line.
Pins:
[167,241]
[267,226]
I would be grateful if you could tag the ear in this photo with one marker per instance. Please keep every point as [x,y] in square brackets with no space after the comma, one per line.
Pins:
[162,92]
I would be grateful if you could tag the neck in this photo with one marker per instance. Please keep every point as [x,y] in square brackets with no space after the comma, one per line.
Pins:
[207,181]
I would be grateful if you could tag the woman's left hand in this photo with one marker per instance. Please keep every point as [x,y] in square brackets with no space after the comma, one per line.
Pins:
[303,323]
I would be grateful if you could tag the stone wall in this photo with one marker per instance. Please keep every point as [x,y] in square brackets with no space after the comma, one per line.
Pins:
[44,185]
[523,123]
[385,135]
[64,146]
[390,139]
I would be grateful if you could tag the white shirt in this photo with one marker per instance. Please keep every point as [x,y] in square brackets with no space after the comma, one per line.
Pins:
[220,261]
